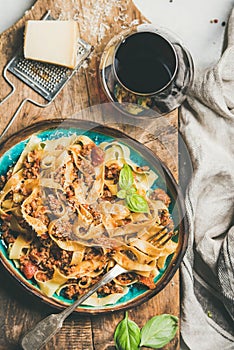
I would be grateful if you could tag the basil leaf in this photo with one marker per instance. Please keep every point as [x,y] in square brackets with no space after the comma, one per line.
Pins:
[159,331]
[122,194]
[125,177]
[127,335]
[131,190]
[137,203]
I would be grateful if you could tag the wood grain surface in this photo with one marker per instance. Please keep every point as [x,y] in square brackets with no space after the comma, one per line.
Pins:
[98,21]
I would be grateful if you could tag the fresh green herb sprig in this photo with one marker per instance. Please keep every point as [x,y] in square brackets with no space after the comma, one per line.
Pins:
[156,333]
[134,201]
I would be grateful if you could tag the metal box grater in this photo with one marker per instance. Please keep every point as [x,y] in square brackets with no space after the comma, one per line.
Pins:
[44,78]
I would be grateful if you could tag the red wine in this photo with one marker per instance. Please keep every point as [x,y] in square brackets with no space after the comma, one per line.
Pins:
[145,62]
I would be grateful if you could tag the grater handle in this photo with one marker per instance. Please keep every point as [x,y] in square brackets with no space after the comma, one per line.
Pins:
[11,121]
[15,115]
[8,81]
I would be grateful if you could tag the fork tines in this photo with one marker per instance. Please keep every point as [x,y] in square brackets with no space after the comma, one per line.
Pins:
[161,237]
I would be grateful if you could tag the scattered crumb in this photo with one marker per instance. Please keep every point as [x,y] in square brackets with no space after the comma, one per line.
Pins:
[223,24]
[121,17]
[135,22]
[94,18]
[76,16]
[85,64]
[92,73]
[209,314]
[102,31]
[215,20]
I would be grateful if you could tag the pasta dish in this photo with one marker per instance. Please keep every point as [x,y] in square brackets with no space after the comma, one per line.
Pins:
[71,209]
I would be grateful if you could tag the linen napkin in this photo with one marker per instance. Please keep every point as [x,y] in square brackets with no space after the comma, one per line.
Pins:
[207,126]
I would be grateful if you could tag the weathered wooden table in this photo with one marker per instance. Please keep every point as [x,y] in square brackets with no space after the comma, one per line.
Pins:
[98,21]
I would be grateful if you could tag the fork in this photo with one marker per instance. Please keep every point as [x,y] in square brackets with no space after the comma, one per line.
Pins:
[44,330]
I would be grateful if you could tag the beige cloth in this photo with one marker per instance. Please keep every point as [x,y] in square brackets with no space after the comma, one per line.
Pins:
[207,126]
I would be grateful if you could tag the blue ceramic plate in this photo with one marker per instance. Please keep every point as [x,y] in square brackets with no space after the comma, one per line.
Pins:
[9,154]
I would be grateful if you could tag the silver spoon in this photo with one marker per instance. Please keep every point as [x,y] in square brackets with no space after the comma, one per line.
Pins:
[49,326]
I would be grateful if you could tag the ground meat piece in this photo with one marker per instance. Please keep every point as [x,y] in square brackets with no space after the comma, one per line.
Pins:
[62,228]
[92,253]
[2,181]
[59,175]
[32,165]
[24,191]
[63,258]
[43,254]
[73,290]
[34,156]
[107,195]
[97,156]
[142,168]
[9,173]
[48,264]
[159,194]
[110,288]
[45,240]
[5,178]
[54,204]
[86,150]
[166,220]
[35,256]
[126,278]
[70,291]
[88,172]
[7,236]
[70,192]
[37,210]
[123,222]
[112,172]
[97,219]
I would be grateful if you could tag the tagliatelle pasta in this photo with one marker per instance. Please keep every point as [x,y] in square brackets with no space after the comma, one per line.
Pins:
[72,209]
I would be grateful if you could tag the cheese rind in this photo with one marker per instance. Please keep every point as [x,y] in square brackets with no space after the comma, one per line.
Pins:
[52,42]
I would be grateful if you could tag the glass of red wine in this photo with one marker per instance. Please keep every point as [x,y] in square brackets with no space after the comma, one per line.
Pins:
[146,71]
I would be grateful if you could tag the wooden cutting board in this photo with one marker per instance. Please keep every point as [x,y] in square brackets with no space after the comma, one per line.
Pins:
[98,20]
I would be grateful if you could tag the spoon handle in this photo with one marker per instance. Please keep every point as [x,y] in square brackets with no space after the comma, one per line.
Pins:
[49,326]
[42,332]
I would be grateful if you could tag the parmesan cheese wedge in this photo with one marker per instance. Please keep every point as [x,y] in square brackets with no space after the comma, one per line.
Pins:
[52,42]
